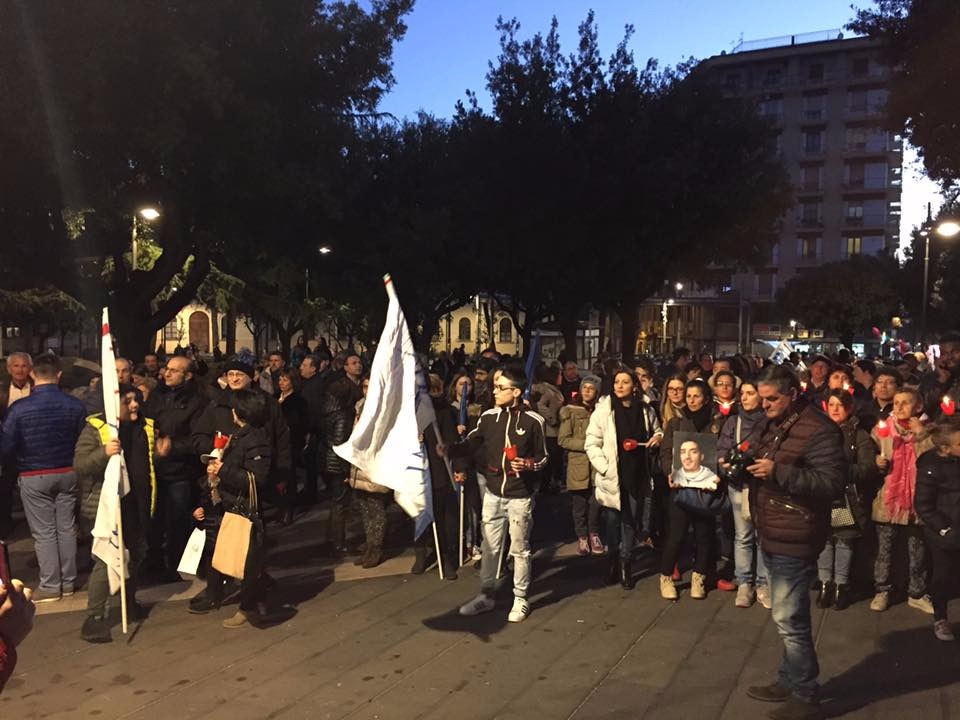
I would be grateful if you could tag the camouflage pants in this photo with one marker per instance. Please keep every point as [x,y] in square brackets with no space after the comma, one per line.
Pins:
[373,512]
[916,551]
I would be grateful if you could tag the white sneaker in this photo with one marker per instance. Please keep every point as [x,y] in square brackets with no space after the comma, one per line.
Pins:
[476,555]
[923,604]
[519,611]
[698,586]
[763,596]
[941,628]
[480,604]
[746,596]
[668,591]
[880,602]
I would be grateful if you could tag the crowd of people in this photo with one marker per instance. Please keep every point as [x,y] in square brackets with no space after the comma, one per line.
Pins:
[779,469]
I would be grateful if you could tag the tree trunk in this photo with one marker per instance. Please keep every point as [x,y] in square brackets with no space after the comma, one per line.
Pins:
[488,317]
[568,326]
[215,327]
[231,333]
[628,335]
[423,339]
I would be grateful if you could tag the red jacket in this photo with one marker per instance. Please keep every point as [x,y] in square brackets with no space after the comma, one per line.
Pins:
[8,661]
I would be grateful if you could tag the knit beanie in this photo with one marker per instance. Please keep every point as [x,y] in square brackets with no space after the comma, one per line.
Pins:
[590,380]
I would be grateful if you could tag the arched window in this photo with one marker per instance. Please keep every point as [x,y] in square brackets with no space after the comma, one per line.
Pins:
[463,329]
[506,331]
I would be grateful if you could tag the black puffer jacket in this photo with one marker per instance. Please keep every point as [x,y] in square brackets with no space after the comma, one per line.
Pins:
[177,412]
[336,422]
[792,508]
[937,500]
[249,450]
[218,416]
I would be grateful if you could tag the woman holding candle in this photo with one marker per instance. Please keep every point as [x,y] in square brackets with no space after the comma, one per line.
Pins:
[901,438]
[619,434]
[938,505]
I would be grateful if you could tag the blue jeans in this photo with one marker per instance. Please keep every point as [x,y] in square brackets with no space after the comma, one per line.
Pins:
[512,517]
[745,545]
[50,504]
[622,526]
[789,579]
[834,562]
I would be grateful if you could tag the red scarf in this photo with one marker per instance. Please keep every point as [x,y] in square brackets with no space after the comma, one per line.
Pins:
[901,483]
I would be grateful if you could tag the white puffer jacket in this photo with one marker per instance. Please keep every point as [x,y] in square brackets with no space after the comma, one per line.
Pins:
[601,448]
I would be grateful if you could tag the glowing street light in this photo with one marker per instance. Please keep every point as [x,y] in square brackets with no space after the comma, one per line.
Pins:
[324,249]
[149,214]
[948,229]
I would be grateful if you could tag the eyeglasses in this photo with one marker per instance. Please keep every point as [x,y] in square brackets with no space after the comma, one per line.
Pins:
[723,384]
[503,387]
[675,389]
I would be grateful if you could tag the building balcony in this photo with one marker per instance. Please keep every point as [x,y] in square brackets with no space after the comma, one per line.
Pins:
[810,223]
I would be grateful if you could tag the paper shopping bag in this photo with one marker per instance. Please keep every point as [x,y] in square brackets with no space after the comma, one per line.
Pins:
[193,552]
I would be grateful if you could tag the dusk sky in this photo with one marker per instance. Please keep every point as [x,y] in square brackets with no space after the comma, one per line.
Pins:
[449,42]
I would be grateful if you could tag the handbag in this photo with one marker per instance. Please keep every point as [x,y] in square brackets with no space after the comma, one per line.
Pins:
[844,513]
[235,534]
[702,502]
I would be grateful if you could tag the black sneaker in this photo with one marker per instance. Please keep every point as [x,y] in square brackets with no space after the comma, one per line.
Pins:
[96,630]
[774,692]
[201,604]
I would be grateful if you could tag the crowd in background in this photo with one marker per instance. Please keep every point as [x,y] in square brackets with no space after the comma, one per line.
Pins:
[617,443]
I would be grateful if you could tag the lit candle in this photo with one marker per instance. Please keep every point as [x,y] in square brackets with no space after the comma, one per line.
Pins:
[803,385]
[948,405]
[883,429]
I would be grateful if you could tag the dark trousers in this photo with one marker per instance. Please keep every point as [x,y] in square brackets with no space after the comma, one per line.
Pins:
[310,470]
[552,474]
[373,512]
[623,525]
[946,568]
[252,587]
[175,506]
[703,531]
[8,481]
[586,512]
[446,510]
[98,585]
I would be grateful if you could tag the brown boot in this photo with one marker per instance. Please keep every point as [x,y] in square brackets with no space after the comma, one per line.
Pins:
[373,557]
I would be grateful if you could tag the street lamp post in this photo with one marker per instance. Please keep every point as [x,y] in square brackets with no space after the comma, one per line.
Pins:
[945,229]
[323,250]
[149,214]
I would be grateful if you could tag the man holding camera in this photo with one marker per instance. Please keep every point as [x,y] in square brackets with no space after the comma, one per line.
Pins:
[799,472]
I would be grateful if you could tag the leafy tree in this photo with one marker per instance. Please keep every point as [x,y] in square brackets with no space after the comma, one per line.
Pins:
[591,180]
[919,37]
[824,298]
[230,116]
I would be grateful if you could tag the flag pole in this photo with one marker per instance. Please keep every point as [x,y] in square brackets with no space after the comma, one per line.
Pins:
[123,574]
[436,544]
[460,558]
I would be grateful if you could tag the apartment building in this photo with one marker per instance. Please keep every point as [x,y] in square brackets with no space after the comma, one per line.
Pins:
[826,95]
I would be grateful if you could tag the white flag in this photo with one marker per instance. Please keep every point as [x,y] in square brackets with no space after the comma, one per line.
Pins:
[116,484]
[385,443]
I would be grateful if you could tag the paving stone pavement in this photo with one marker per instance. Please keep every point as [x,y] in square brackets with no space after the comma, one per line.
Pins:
[393,647]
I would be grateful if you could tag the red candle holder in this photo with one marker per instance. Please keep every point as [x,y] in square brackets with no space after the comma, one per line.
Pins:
[510,452]
[948,405]
[629,444]
[883,429]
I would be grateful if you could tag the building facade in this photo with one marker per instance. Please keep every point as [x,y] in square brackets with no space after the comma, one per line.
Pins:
[826,96]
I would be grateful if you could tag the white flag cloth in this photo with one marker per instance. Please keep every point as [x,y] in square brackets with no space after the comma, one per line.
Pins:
[116,484]
[385,443]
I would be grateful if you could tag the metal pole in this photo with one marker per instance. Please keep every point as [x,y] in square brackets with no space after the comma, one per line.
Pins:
[926,281]
[306,283]
[133,245]
[663,335]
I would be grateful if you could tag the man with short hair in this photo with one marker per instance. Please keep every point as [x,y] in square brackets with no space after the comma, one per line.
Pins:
[152,363]
[681,358]
[177,408]
[818,387]
[124,371]
[885,385]
[314,373]
[39,434]
[799,472]
[510,440]
[270,376]
[481,383]
[19,365]
[570,384]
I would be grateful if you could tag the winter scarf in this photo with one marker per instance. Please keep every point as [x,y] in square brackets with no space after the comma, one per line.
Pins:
[901,483]
[700,418]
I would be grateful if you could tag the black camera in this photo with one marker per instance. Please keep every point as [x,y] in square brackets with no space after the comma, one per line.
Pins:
[737,461]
